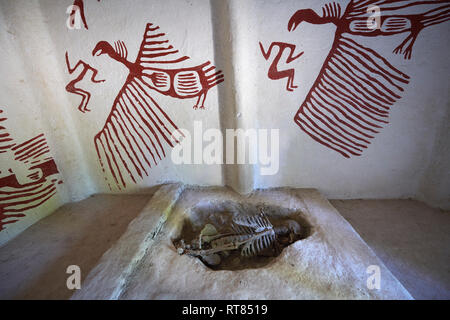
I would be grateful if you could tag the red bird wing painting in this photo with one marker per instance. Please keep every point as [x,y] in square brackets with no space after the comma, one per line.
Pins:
[38,175]
[137,131]
[350,100]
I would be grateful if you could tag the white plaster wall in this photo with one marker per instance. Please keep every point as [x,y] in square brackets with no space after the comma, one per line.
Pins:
[409,158]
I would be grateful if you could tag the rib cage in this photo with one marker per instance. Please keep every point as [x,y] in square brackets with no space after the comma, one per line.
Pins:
[258,243]
[250,224]
[349,102]
[259,230]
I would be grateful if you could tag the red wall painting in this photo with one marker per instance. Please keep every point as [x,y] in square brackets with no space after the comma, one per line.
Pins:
[21,193]
[137,131]
[70,87]
[350,100]
[273,72]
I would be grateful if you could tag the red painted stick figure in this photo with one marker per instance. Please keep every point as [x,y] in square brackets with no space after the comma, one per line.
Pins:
[71,85]
[276,74]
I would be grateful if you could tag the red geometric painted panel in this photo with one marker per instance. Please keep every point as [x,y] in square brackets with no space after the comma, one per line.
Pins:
[30,180]
[350,100]
[138,131]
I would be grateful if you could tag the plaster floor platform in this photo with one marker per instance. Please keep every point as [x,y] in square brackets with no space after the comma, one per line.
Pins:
[33,265]
[411,238]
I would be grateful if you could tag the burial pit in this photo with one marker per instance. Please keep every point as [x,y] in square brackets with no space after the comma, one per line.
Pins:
[327,260]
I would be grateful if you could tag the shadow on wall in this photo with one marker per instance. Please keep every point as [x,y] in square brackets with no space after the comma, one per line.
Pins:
[224,49]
